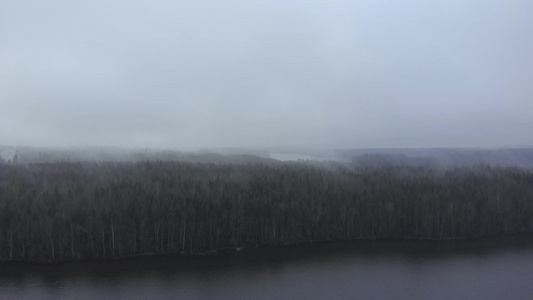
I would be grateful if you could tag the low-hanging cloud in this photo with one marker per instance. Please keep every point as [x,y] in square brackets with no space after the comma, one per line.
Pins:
[333,74]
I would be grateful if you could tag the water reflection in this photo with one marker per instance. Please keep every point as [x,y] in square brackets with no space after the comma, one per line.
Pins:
[486,269]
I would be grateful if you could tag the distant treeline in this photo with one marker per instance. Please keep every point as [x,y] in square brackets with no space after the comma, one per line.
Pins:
[521,157]
[65,211]
[30,155]
[435,157]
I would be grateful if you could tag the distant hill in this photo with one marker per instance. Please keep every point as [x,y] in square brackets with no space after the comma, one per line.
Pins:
[438,157]
[93,154]
[518,157]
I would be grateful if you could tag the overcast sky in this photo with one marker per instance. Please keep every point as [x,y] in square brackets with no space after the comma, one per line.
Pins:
[327,74]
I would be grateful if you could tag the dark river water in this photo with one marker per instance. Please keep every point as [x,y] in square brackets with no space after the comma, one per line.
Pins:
[499,268]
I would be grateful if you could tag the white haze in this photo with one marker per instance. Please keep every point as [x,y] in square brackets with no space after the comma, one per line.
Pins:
[327,74]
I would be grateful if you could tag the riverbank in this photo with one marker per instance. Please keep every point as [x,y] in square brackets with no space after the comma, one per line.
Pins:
[485,244]
[484,269]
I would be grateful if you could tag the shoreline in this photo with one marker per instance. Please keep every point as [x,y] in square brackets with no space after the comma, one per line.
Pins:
[227,252]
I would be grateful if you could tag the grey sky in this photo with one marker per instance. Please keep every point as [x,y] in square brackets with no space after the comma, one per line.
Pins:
[333,74]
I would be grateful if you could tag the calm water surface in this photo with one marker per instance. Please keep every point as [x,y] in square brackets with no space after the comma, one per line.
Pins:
[486,269]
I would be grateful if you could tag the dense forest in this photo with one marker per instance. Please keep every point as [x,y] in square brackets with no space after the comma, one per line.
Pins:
[65,211]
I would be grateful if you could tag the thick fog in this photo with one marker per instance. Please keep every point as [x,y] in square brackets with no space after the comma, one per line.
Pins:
[328,74]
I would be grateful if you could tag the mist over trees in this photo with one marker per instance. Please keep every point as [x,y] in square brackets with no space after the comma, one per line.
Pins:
[65,211]
[29,155]
[442,157]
